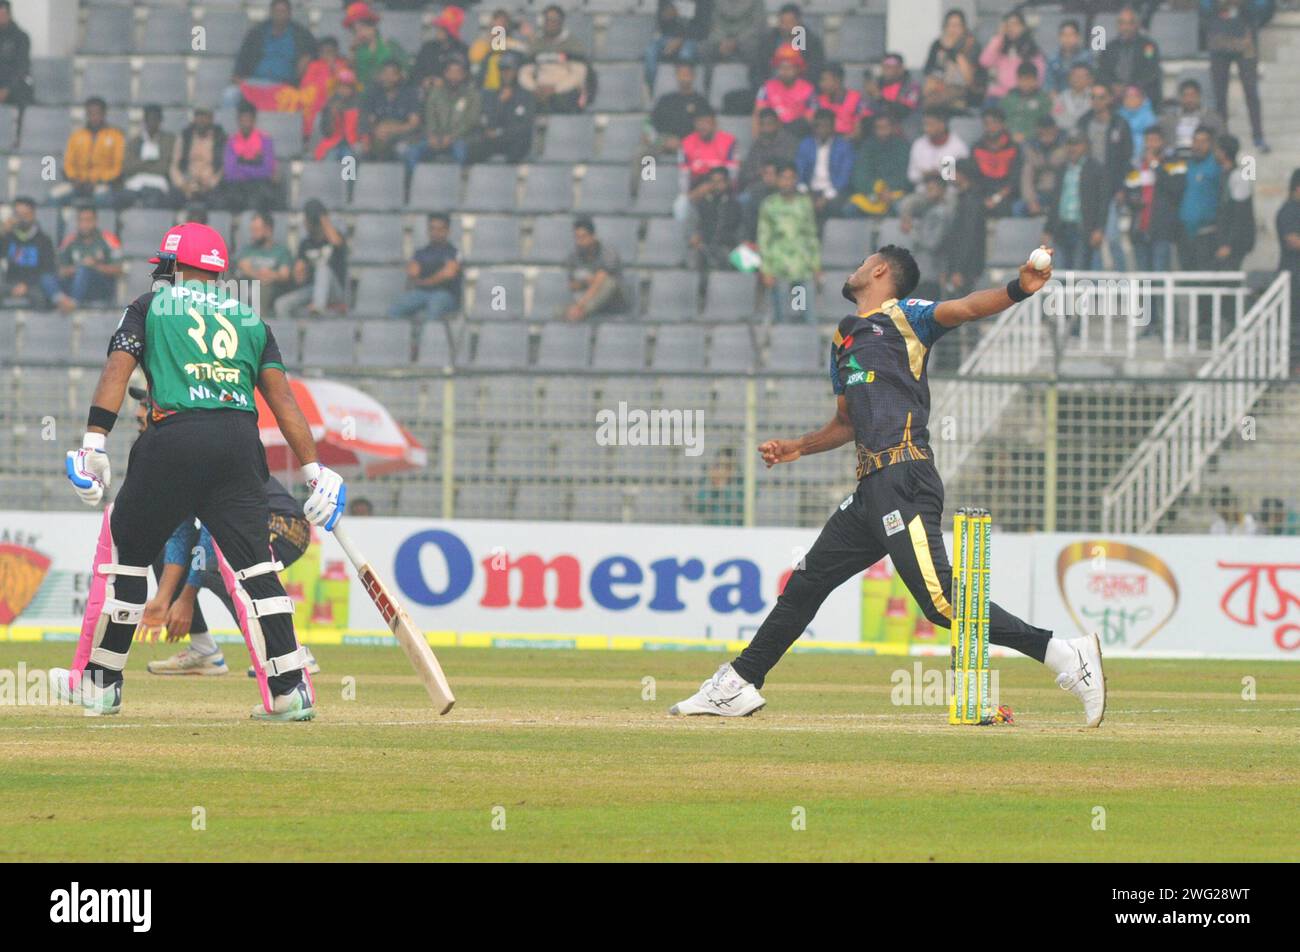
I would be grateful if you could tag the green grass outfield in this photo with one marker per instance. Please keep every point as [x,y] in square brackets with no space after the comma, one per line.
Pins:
[1184,768]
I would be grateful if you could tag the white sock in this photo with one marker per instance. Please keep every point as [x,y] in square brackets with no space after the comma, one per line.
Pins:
[201,642]
[1059,657]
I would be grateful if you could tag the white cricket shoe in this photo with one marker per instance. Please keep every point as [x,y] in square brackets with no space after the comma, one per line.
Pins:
[726,694]
[189,661]
[96,699]
[1084,678]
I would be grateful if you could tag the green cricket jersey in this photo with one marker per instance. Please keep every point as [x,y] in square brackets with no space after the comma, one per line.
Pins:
[200,350]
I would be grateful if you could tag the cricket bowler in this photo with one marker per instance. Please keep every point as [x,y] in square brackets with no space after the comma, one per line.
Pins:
[202,352]
[878,365]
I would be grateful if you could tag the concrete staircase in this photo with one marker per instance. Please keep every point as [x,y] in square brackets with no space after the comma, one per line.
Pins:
[1279,99]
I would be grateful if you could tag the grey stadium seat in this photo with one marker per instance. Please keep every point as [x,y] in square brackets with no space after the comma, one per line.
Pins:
[666,80]
[552,239]
[496,240]
[679,347]
[285,130]
[663,244]
[731,348]
[656,197]
[564,346]
[846,242]
[889,233]
[211,78]
[8,138]
[1013,239]
[570,138]
[508,351]
[861,39]
[435,346]
[384,343]
[547,188]
[164,82]
[727,77]
[1176,33]
[619,347]
[287,339]
[92,340]
[435,187]
[377,239]
[742,128]
[329,343]
[551,295]
[674,296]
[491,188]
[110,80]
[167,30]
[604,189]
[621,139]
[46,341]
[618,232]
[142,229]
[795,348]
[109,30]
[379,186]
[581,27]
[323,180]
[626,38]
[967,128]
[52,79]
[45,130]
[377,288]
[620,89]
[225,30]
[495,286]
[730,296]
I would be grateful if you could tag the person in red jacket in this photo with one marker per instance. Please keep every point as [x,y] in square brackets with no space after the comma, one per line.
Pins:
[998,158]
[340,120]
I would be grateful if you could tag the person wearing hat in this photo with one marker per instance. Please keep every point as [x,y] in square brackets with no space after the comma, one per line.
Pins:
[197,159]
[790,31]
[451,114]
[446,45]
[503,35]
[320,270]
[792,97]
[506,121]
[340,120]
[203,352]
[370,51]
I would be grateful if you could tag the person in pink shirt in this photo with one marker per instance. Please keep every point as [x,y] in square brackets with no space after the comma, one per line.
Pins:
[845,103]
[1012,45]
[792,97]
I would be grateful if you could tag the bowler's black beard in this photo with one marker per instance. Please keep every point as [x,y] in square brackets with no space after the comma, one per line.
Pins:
[847,293]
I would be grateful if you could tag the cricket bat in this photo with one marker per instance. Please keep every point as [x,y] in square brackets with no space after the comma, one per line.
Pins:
[399,623]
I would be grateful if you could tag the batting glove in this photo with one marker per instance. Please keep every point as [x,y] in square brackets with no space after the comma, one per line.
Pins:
[87,469]
[328,497]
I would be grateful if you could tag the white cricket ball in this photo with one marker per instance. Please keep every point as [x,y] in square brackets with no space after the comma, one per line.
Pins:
[1040,259]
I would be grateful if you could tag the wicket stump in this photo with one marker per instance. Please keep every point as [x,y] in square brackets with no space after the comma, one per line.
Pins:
[970,702]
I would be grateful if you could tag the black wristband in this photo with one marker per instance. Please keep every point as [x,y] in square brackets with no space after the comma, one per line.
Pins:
[1016,292]
[100,417]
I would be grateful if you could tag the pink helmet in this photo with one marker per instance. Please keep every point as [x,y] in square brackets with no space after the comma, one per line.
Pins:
[195,245]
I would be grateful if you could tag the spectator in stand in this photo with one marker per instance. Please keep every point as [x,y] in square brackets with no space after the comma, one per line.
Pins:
[879,176]
[1071,51]
[734,30]
[148,162]
[432,58]
[893,88]
[752,198]
[846,104]
[714,224]
[506,120]
[927,224]
[1236,215]
[681,25]
[1179,121]
[451,114]
[968,233]
[265,260]
[1025,105]
[1012,45]
[792,33]
[15,60]
[792,97]
[937,148]
[721,500]
[390,114]
[92,161]
[595,275]
[1229,517]
[774,143]
[370,51]
[1198,210]
[320,271]
[1135,109]
[673,116]
[825,166]
[1231,30]
[1154,191]
[197,162]
[340,121]
[249,169]
[90,262]
[704,150]
[790,249]
[1130,58]
[30,276]
[1274,519]
[274,52]
[503,35]
[319,80]
[1287,226]
[360,506]
[1111,144]
[935,94]
[954,56]
[433,276]
[1072,105]
[1041,159]
[558,75]
[1076,212]
[998,159]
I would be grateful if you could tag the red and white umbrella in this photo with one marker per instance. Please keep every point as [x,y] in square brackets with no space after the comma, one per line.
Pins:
[354,432]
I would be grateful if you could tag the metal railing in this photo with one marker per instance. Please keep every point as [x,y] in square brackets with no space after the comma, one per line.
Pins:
[1185,438]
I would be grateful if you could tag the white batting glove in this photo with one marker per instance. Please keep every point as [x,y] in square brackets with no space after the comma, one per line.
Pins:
[329,496]
[88,470]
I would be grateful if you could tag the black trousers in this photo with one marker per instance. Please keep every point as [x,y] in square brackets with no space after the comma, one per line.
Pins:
[896,511]
[209,464]
[1248,72]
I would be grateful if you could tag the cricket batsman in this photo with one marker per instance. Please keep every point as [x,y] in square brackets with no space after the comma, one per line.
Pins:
[878,366]
[202,353]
